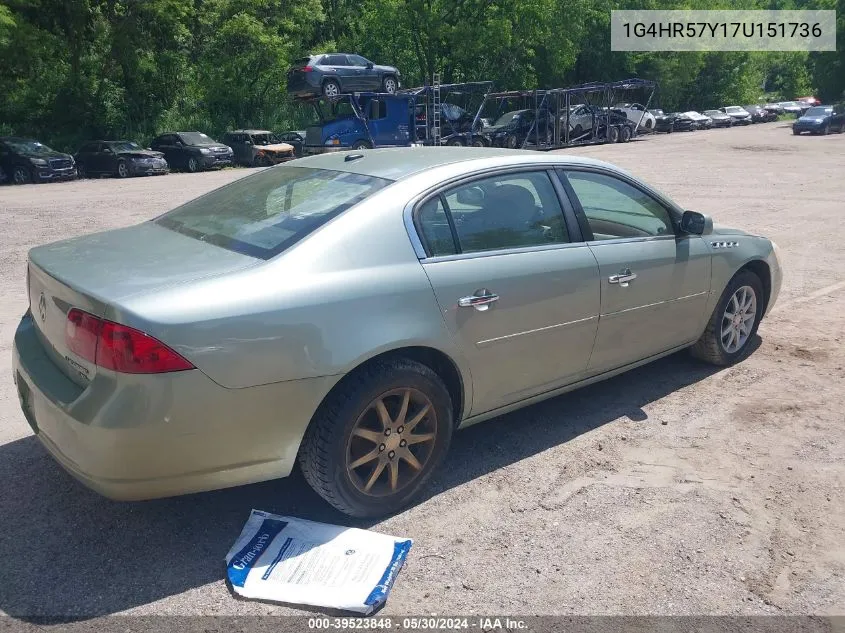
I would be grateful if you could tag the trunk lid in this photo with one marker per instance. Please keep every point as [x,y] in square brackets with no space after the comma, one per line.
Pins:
[95,271]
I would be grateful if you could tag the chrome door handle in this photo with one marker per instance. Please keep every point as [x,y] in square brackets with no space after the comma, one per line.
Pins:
[622,278]
[481,300]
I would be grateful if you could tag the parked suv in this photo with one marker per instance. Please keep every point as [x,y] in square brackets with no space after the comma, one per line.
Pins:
[331,74]
[24,160]
[193,151]
[259,148]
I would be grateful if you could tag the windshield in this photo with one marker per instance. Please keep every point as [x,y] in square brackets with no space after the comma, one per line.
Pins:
[733,109]
[265,139]
[657,112]
[818,111]
[125,146]
[263,215]
[29,148]
[507,117]
[714,113]
[196,138]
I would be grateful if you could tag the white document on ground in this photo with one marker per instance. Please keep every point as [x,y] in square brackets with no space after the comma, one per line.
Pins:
[285,559]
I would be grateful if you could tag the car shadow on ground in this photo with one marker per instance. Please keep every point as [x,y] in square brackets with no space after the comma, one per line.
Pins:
[67,552]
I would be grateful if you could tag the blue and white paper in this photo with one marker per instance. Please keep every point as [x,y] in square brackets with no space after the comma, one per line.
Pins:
[285,559]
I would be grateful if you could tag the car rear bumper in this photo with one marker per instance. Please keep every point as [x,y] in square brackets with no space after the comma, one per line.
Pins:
[144,436]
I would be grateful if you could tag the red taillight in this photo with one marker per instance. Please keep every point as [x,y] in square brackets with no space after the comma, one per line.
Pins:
[82,331]
[307,69]
[118,347]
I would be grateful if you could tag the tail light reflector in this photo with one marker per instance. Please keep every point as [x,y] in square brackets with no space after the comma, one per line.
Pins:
[307,69]
[118,347]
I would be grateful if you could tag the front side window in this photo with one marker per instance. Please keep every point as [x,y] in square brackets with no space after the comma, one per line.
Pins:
[615,209]
[505,211]
[357,60]
[262,215]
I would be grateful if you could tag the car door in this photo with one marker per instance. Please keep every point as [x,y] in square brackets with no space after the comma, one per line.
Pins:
[166,144]
[345,74]
[654,283]
[517,287]
[364,78]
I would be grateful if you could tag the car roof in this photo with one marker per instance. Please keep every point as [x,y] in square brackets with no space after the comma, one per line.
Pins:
[249,132]
[398,163]
[16,138]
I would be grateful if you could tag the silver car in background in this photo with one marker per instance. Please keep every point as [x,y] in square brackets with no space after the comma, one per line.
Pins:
[350,311]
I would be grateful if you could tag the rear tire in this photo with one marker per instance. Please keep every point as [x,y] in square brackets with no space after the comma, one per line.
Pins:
[21,175]
[348,428]
[80,170]
[715,345]
[361,145]
[478,142]
[331,88]
[612,134]
[455,142]
[122,170]
[625,134]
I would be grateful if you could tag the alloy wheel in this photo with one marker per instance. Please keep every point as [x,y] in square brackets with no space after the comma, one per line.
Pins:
[738,319]
[122,170]
[20,176]
[390,85]
[391,442]
[331,89]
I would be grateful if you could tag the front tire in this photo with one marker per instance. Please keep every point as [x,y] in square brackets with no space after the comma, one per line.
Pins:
[389,84]
[734,322]
[80,170]
[122,170]
[377,438]
[193,164]
[612,134]
[625,134]
[455,142]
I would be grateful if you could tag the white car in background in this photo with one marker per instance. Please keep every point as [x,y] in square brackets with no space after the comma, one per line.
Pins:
[637,113]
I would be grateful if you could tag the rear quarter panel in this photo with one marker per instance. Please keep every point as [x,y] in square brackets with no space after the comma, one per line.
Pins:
[348,292]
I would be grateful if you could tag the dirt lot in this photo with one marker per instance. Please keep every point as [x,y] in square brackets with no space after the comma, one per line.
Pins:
[676,489]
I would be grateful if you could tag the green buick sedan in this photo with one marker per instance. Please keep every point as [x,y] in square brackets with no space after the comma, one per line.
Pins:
[348,312]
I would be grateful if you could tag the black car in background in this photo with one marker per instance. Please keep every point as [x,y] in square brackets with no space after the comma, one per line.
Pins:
[331,74]
[24,160]
[295,139]
[720,119]
[682,122]
[513,128]
[193,151]
[662,121]
[118,158]
[759,114]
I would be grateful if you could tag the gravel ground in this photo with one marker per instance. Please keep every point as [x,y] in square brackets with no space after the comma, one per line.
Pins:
[674,489]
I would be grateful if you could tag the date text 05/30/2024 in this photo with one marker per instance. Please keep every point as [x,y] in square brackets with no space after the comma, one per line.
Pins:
[425,623]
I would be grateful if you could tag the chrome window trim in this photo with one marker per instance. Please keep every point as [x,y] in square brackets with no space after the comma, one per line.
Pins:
[503,251]
[625,240]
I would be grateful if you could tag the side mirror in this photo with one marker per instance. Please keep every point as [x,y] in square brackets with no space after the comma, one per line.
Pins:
[696,223]
[369,65]
[247,142]
[473,196]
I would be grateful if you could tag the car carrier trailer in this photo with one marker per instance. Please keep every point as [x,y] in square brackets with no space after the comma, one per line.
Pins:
[563,117]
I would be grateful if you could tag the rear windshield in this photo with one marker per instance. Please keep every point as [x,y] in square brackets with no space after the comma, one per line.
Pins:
[264,214]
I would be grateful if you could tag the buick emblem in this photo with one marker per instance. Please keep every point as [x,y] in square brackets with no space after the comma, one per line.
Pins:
[42,307]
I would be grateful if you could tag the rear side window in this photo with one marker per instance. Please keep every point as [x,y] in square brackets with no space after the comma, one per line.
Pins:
[265,214]
[615,209]
[435,229]
[507,211]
